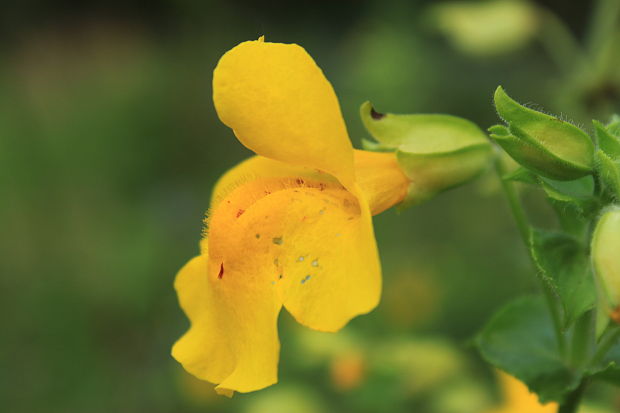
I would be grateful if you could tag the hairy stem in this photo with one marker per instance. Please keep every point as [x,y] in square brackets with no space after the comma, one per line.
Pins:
[518,213]
[516,208]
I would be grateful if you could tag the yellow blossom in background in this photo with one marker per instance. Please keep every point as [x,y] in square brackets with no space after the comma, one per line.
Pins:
[518,398]
[348,371]
[290,227]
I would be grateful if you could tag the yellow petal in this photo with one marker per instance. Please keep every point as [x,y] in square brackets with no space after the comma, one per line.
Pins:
[233,337]
[518,398]
[281,106]
[310,241]
[380,179]
[259,167]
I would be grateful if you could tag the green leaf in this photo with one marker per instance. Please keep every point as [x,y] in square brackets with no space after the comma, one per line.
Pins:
[578,189]
[499,130]
[564,265]
[520,340]
[573,201]
[607,142]
[611,372]
[609,172]
[608,368]
[577,195]
[614,125]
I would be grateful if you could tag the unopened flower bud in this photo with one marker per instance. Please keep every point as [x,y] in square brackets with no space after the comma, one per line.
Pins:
[606,260]
[542,143]
[436,152]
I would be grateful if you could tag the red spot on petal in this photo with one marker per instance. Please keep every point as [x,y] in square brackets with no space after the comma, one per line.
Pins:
[299,181]
[221,274]
[240,212]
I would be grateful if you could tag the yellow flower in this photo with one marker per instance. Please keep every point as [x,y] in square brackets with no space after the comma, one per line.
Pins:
[290,227]
[518,399]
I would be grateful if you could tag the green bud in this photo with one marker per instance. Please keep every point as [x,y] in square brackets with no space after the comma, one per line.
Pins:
[436,152]
[542,143]
[608,156]
[606,260]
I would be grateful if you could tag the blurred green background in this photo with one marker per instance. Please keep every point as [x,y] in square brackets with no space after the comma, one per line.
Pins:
[110,145]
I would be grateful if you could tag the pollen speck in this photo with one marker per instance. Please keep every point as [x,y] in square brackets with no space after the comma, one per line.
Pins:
[315,263]
[257,236]
[306,278]
[278,240]
[300,259]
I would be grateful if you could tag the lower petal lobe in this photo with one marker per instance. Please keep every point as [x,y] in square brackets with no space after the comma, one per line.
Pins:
[308,245]
[312,242]
[233,337]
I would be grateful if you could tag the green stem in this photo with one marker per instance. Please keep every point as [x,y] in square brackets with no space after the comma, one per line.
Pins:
[518,212]
[516,208]
[608,340]
[583,340]
[571,404]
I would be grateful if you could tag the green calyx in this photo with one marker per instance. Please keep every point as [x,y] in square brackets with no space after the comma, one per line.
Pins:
[436,152]
[542,143]
[607,156]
